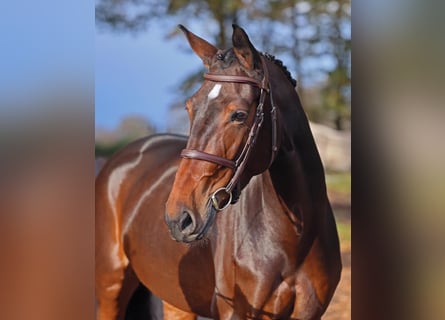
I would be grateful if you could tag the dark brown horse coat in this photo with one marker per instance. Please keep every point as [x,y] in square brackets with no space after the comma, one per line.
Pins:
[274,254]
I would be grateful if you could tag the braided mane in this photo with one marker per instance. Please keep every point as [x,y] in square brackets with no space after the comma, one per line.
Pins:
[280,64]
[227,57]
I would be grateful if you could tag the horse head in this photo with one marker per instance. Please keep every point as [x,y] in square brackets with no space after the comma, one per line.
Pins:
[228,141]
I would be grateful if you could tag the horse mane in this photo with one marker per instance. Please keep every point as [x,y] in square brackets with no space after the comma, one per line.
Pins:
[228,56]
[302,136]
[280,64]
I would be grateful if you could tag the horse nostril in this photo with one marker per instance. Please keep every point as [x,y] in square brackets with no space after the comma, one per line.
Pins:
[186,223]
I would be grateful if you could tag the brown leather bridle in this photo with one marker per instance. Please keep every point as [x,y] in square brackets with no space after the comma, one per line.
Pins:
[240,163]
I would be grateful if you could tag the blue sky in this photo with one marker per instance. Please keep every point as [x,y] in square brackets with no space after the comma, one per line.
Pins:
[136,75]
[44,41]
[48,43]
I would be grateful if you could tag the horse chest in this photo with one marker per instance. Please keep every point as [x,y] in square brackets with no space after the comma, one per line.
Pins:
[258,289]
[258,275]
[258,294]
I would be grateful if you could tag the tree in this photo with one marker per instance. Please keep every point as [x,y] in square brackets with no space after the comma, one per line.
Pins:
[129,129]
[312,37]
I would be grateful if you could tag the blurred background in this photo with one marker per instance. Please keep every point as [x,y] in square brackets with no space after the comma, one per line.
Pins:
[51,82]
[145,71]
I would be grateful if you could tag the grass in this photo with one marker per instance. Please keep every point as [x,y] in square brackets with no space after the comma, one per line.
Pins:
[339,182]
[344,233]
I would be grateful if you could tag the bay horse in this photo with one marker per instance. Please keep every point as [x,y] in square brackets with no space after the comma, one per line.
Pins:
[244,196]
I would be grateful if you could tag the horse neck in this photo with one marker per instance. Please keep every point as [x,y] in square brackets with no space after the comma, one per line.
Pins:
[297,171]
[291,190]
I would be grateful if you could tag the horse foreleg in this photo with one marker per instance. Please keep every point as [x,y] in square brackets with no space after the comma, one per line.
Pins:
[111,271]
[173,313]
[108,287]
[113,299]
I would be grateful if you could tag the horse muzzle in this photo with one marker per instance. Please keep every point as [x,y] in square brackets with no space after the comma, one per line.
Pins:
[182,229]
[185,229]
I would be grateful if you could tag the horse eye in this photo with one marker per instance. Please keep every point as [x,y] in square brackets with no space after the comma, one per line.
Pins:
[239,116]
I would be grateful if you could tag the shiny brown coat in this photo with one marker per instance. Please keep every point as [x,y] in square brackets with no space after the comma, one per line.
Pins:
[274,254]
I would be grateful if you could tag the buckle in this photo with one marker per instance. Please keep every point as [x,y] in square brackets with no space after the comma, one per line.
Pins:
[215,201]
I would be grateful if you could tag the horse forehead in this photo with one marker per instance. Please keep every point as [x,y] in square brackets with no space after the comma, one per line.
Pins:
[210,92]
[214,92]
[221,91]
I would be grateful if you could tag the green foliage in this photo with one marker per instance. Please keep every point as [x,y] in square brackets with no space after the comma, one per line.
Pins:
[336,97]
[106,150]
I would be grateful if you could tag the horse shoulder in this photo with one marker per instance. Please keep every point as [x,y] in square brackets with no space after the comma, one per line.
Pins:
[319,274]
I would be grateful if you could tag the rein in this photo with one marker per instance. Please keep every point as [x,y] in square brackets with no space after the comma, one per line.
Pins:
[239,164]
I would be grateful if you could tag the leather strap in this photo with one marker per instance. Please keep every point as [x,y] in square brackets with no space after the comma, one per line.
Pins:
[237,79]
[201,155]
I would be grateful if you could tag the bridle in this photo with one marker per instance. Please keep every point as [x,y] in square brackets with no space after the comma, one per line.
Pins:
[239,164]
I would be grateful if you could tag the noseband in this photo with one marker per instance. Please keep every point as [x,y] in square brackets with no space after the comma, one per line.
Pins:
[239,164]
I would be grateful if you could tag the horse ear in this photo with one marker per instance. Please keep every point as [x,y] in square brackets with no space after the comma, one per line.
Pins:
[244,50]
[202,48]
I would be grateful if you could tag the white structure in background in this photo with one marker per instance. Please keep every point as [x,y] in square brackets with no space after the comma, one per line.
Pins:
[334,147]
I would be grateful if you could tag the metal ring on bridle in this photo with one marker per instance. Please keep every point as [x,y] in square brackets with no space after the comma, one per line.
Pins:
[215,200]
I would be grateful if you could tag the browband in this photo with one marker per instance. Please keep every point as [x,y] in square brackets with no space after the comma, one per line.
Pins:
[237,79]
